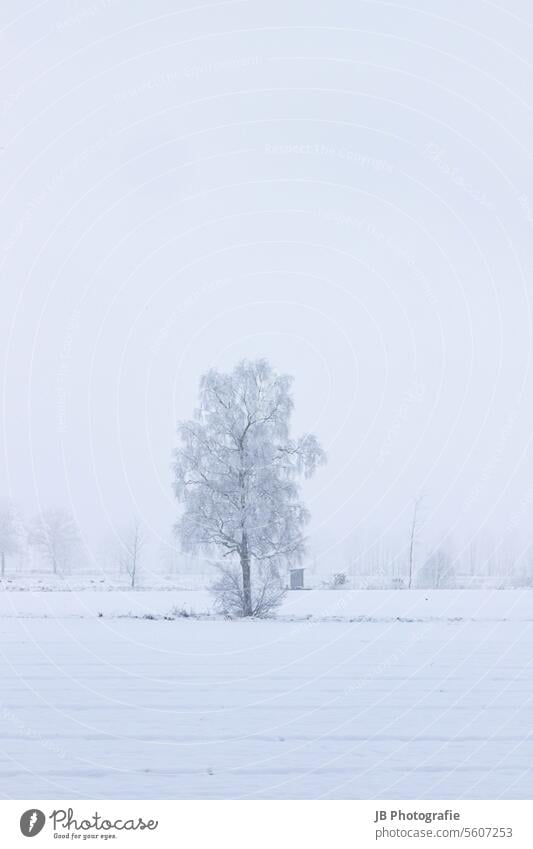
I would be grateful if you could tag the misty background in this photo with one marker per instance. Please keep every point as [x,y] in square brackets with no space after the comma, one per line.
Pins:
[344,189]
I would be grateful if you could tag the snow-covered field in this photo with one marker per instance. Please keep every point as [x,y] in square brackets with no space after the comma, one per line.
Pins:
[378,694]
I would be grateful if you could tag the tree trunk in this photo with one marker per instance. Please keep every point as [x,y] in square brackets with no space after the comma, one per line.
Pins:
[246,579]
[412,541]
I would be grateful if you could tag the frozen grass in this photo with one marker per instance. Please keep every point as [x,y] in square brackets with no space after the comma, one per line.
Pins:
[133,708]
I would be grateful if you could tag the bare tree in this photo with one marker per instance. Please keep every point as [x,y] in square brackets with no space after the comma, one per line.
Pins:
[55,534]
[131,549]
[413,539]
[437,572]
[473,557]
[235,473]
[10,532]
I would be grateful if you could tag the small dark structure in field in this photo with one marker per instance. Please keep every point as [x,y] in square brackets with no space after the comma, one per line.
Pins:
[296,579]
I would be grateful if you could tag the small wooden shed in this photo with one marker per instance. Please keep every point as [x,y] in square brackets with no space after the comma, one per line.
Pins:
[296,577]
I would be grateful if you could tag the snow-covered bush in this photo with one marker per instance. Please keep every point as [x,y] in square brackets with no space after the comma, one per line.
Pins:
[230,598]
[340,579]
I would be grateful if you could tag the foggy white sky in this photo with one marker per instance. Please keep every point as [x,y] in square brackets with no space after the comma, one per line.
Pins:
[344,188]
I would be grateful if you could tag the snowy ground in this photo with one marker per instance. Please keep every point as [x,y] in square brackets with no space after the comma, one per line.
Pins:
[421,695]
[343,605]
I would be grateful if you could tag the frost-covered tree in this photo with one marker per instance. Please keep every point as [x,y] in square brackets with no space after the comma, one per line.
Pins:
[10,532]
[56,536]
[236,470]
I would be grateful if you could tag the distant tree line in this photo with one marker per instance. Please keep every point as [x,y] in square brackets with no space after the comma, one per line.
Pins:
[53,535]
[52,541]
[241,515]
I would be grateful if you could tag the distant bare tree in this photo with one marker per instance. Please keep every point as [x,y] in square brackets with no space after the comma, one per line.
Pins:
[55,534]
[10,532]
[380,558]
[437,572]
[413,539]
[473,557]
[131,549]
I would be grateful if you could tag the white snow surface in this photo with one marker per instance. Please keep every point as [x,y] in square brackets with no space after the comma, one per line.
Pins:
[377,695]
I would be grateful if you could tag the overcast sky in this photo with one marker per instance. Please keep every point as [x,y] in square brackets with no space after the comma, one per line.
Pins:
[344,188]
